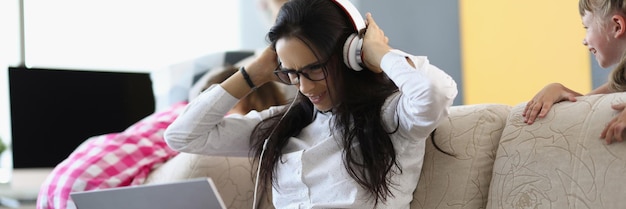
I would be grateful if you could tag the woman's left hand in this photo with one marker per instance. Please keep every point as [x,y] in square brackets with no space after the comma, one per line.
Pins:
[375,45]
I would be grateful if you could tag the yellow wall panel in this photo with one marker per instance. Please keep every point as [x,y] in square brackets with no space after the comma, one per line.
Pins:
[512,49]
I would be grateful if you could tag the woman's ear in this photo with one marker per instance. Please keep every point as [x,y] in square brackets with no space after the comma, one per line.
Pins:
[619,25]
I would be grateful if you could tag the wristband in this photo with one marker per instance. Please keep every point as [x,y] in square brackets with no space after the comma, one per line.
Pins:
[247,78]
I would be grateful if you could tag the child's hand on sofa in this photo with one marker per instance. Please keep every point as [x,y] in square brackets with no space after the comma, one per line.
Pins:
[541,103]
[616,129]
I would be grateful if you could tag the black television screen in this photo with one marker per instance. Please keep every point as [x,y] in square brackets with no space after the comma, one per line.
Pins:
[53,111]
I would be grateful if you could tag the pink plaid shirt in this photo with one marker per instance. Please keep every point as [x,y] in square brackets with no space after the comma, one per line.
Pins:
[110,160]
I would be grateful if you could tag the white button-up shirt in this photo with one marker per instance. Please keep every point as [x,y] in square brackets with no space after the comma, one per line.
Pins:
[312,173]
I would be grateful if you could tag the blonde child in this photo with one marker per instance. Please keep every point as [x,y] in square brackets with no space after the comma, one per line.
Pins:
[605,23]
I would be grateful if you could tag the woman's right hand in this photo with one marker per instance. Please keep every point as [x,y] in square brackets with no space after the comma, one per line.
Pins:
[261,70]
[541,103]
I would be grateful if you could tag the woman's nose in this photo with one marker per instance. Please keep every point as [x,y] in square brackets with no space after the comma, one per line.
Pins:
[305,85]
[585,41]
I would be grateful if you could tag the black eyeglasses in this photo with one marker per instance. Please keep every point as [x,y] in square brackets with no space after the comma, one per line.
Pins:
[313,72]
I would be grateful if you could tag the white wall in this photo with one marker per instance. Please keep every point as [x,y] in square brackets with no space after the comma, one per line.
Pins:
[10,35]
[122,35]
[6,161]
[9,55]
[254,25]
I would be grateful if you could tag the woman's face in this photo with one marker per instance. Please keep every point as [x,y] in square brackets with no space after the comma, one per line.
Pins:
[295,55]
[600,42]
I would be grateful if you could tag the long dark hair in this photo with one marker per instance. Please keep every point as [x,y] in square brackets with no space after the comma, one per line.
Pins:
[369,154]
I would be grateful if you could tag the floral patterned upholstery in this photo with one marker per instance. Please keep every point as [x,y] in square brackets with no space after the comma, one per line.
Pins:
[471,134]
[560,161]
[498,161]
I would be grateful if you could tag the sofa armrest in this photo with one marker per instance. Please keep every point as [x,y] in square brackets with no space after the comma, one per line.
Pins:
[560,161]
[471,133]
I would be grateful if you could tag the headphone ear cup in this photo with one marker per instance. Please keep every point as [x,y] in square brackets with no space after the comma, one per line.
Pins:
[352,52]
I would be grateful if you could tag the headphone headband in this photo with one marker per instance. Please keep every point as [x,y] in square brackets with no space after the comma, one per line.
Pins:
[353,12]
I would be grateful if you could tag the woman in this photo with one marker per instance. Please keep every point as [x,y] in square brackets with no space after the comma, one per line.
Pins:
[351,139]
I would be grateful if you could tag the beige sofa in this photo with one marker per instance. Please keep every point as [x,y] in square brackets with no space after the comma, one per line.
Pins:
[499,162]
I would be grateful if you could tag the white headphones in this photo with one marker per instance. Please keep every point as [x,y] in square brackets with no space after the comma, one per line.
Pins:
[353,45]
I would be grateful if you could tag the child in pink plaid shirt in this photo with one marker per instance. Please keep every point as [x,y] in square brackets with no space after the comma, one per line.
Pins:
[110,160]
[126,158]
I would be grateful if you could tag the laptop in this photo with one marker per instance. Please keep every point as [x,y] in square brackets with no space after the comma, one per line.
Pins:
[188,194]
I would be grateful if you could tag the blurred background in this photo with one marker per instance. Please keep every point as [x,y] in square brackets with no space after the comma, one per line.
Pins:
[497,51]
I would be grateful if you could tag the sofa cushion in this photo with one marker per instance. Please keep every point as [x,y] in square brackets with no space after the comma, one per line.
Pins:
[560,161]
[471,134]
[232,177]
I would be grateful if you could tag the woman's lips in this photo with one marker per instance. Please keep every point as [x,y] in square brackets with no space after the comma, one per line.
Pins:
[316,99]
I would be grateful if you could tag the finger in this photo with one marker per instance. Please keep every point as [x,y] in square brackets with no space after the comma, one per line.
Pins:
[622,135]
[525,113]
[604,132]
[618,130]
[533,112]
[614,133]
[527,116]
[528,104]
[530,119]
[544,109]
[619,106]
[370,21]
[609,135]
[571,98]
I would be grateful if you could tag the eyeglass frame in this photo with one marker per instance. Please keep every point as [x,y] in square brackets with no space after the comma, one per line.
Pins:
[310,67]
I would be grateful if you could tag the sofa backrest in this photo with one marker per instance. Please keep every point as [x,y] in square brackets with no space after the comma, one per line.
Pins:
[560,160]
[471,133]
